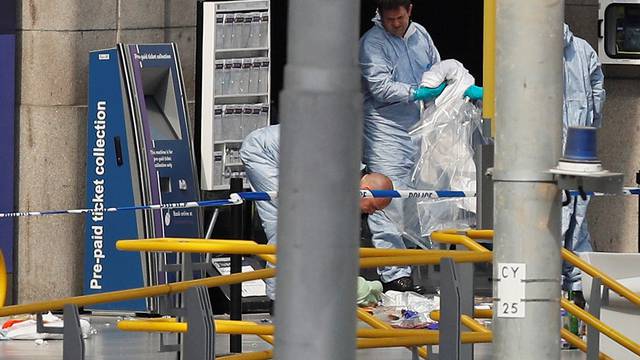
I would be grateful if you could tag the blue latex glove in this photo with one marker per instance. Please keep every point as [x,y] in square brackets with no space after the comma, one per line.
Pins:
[426,94]
[474,92]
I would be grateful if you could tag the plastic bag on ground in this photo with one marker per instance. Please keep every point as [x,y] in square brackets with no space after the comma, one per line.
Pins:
[407,310]
[25,329]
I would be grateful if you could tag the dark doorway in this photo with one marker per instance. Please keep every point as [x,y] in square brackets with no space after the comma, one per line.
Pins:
[456,28]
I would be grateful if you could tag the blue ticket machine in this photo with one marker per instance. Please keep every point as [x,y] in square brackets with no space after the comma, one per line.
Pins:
[139,152]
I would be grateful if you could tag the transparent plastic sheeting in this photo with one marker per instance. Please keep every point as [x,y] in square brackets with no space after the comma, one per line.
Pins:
[446,136]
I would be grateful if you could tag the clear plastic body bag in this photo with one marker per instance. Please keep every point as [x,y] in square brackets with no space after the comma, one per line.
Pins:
[446,162]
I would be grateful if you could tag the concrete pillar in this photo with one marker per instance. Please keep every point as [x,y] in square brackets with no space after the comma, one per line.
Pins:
[54,40]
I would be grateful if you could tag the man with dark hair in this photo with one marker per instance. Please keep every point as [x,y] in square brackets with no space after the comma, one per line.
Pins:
[397,20]
[394,54]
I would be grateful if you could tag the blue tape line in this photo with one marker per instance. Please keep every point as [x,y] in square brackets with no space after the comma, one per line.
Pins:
[385,193]
[215,203]
[450,194]
[577,193]
[255,196]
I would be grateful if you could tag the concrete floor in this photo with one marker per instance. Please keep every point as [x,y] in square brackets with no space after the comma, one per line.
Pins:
[109,344]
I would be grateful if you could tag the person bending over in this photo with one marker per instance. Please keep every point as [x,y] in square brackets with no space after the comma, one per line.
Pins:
[260,154]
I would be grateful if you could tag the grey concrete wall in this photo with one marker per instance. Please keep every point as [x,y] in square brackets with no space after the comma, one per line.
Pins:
[613,221]
[54,38]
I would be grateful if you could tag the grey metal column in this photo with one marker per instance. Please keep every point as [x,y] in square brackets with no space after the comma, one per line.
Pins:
[449,312]
[595,305]
[529,88]
[466,281]
[320,151]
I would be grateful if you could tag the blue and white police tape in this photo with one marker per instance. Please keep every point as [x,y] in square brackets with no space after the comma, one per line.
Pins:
[416,194]
[184,205]
[239,198]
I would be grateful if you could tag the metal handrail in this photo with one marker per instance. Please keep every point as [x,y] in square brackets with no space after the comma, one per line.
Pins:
[3,280]
[465,238]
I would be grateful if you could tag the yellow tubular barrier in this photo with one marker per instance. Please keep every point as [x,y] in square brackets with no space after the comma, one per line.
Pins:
[241,247]
[194,246]
[269,258]
[152,326]
[577,342]
[473,325]
[489,63]
[121,295]
[390,333]
[372,257]
[568,256]
[449,238]
[431,339]
[480,234]
[268,338]
[425,259]
[163,319]
[379,324]
[3,280]
[483,313]
[466,320]
[240,329]
[608,281]
[372,252]
[564,333]
[260,355]
[603,328]
[233,327]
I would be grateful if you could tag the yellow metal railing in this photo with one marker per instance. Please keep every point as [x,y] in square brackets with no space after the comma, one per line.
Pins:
[489,63]
[466,238]
[260,355]
[367,338]
[379,324]
[373,258]
[475,326]
[466,320]
[114,296]
[234,327]
[370,258]
[381,336]
[3,280]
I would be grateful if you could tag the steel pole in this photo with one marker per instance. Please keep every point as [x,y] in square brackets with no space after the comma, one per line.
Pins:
[529,92]
[235,290]
[318,224]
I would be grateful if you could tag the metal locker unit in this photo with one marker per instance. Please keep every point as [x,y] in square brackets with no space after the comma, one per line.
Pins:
[234,78]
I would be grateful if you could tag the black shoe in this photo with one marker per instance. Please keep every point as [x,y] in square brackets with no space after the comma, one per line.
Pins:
[403,284]
[271,306]
[578,299]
